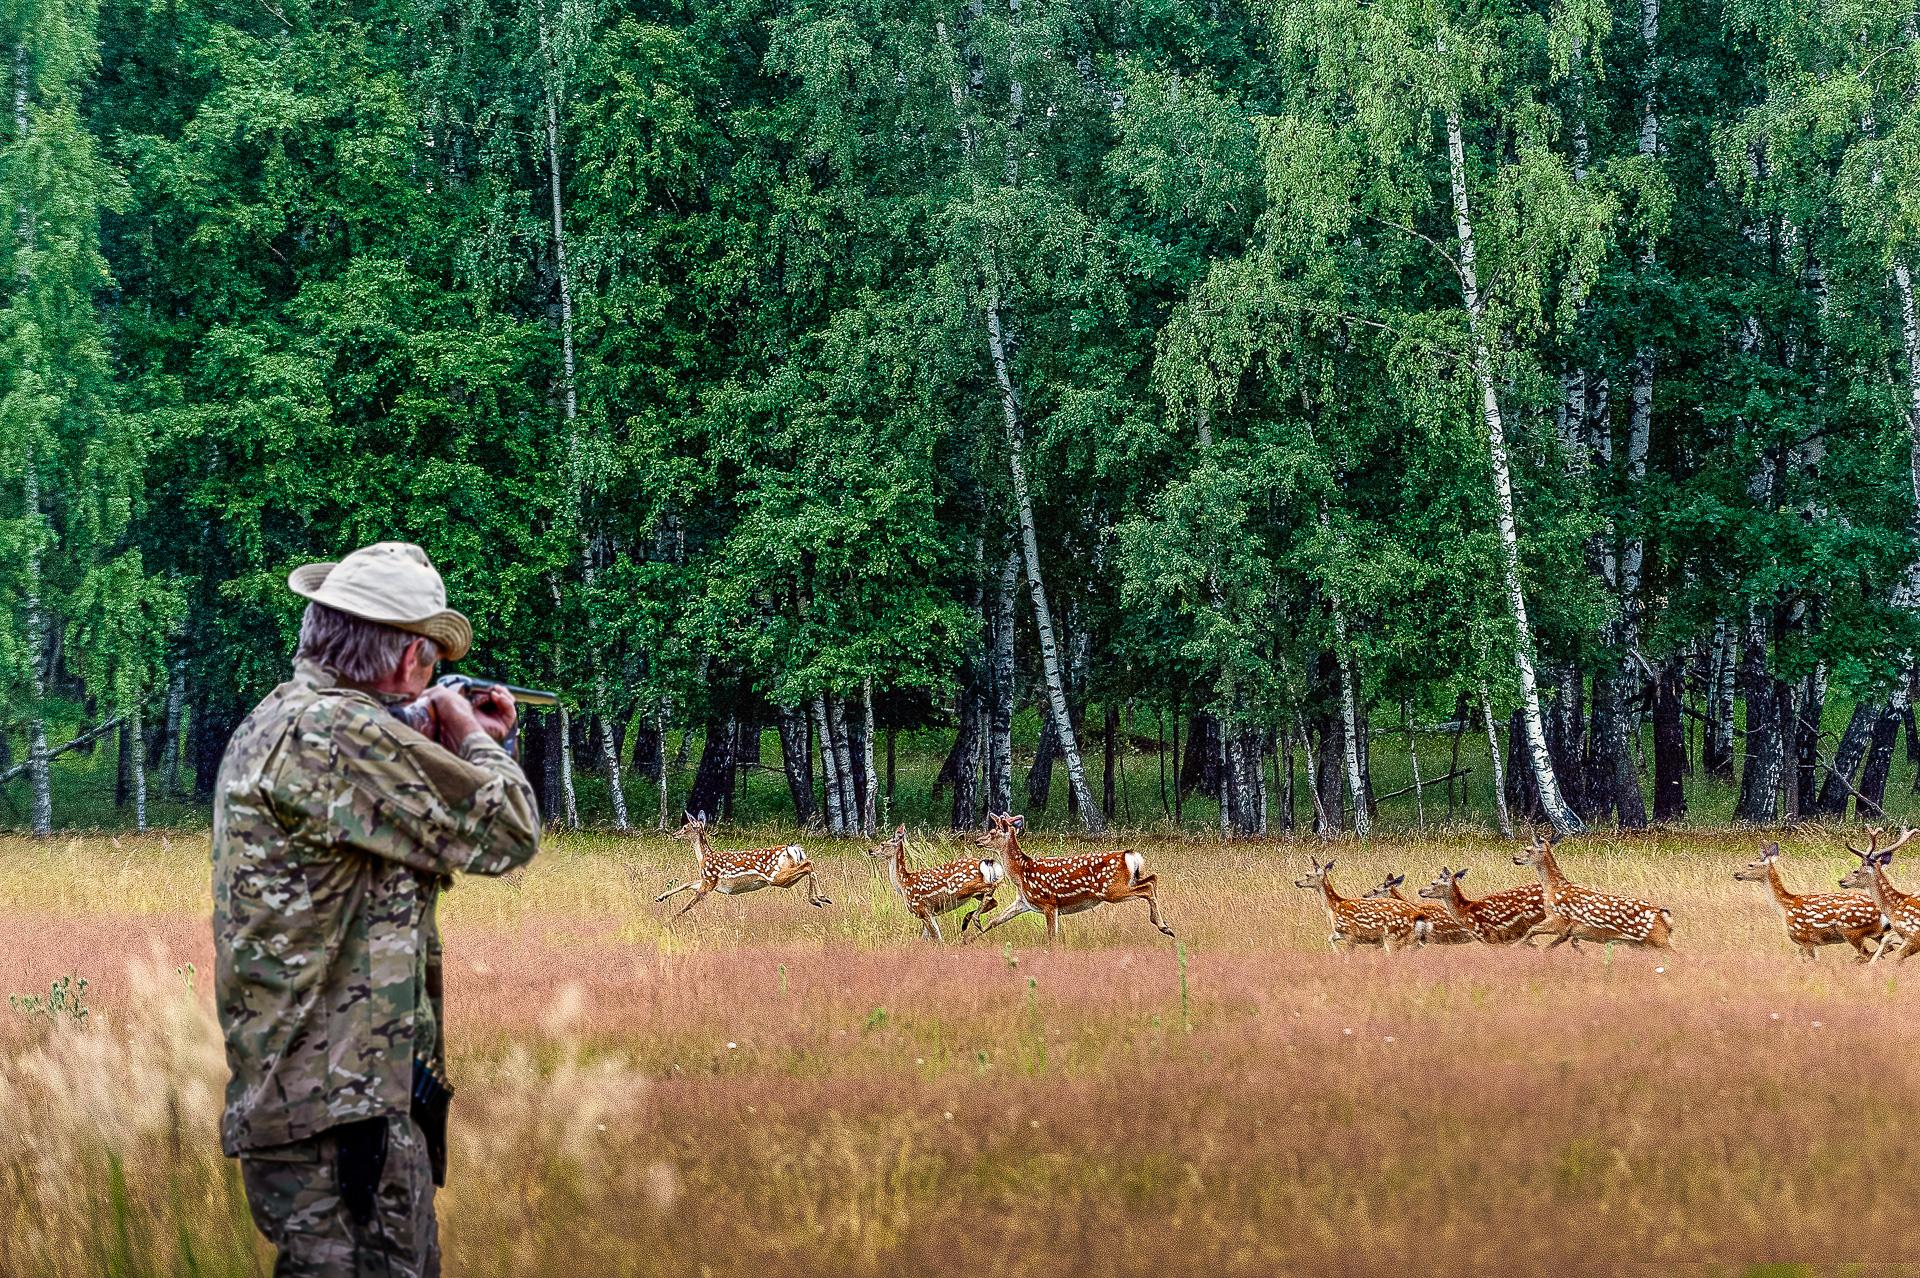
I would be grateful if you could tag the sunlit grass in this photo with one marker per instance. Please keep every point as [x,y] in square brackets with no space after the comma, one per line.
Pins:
[762,1087]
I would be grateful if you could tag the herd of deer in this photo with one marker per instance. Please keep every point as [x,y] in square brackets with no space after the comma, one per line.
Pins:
[1554,906]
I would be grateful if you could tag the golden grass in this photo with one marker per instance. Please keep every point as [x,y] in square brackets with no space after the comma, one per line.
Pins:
[764,1088]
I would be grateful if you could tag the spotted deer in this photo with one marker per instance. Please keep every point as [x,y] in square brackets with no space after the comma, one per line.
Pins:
[1899,911]
[940,888]
[1816,918]
[1575,913]
[1357,920]
[1441,927]
[1053,886]
[737,873]
[1499,918]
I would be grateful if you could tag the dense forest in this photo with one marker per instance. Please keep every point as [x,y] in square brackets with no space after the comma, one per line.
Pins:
[1266,377]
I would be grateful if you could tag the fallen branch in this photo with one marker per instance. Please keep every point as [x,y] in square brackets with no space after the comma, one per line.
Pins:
[86,738]
[1426,783]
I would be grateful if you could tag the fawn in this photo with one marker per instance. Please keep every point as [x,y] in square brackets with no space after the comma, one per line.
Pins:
[1057,885]
[737,873]
[1899,911]
[1441,927]
[1499,918]
[1575,913]
[1388,923]
[1816,918]
[940,888]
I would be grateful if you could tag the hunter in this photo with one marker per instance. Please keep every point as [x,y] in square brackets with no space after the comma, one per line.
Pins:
[335,826]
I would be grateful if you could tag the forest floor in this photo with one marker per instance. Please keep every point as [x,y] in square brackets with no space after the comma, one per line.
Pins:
[763,1088]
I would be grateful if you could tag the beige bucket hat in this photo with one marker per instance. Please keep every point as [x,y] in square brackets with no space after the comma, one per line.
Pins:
[393,583]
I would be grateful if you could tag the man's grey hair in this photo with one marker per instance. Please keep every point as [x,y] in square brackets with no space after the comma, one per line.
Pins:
[355,650]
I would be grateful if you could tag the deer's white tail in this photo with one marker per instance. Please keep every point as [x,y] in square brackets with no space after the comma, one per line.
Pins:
[793,854]
[1136,866]
[990,872]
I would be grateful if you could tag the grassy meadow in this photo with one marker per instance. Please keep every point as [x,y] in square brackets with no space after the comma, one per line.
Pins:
[765,1088]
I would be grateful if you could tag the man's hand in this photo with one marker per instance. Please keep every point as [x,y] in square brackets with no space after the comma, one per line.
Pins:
[494,709]
[454,719]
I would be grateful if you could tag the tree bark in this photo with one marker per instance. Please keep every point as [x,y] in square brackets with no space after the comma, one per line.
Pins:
[1000,693]
[1499,779]
[176,704]
[712,791]
[1333,749]
[1716,750]
[829,768]
[843,764]
[569,808]
[1557,812]
[1040,775]
[1670,743]
[1111,753]
[869,817]
[1760,774]
[138,726]
[1873,780]
[660,733]
[1837,777]
[796,755]
[1806,741]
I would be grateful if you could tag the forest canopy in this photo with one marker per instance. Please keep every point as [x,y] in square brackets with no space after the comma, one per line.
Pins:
[1276,369]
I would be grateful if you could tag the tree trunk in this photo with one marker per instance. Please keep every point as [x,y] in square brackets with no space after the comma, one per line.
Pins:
[1040,775]
[1716,751]
[829,768]
[1333,749]
[123,767]
[1413,760]
[843,764]
[713,779]
[1499,779]
[660,734]
[1765,740]
[1873,780]
[1806,741]
[797,755]
[1847,754]
[1670,743]
[1557,812]
[1199,772]
[569,808]
[176,703]
[138,726]
[1000,692]
[869,817]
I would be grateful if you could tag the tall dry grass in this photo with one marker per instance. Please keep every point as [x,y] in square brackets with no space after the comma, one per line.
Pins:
[766,1088]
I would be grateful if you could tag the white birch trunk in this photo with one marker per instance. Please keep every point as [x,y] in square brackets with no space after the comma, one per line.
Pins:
[1499,768]
[568,807]
[176,702]
[136,722]
[660,727]
[1313,778]
[869,821]
[829,768]
[1413,757]
[1349,708]
[1557,811]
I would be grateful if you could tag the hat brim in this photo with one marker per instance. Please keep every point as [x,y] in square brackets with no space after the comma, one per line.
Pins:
[450,631]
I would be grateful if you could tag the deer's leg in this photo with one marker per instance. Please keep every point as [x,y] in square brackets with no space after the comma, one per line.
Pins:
[699,895]
[1013,911]
[930,927]
[981,904]
[673,891]
[814,895]
[1053,925]
[1153,907]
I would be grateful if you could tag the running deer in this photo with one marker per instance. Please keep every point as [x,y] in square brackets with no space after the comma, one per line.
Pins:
[737,873]
[1576,914]
[941,888]
[1899,911]
[1057,885]
[1499,918]
[1816,918]
[1441,927]
[1359,920]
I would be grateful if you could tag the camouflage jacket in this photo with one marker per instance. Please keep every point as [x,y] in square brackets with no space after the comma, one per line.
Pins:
[333,827]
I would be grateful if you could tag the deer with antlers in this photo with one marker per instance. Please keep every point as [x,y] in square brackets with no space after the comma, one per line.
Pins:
[1575,913]
[1816,918]
[1441,927]
[1499,918]
[1899,911]
[941,888]
[1364,920]
[737,873]
[1054,886]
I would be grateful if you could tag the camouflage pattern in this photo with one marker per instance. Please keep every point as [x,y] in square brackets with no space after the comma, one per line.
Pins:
[293,1193]
[334,827]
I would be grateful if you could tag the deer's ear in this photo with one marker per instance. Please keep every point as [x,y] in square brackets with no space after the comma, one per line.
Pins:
[702,818]
[1458,875]
[1885,858]
[1327,866]
[1017,823]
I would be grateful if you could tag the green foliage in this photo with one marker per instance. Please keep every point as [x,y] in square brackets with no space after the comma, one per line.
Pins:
[64,1003]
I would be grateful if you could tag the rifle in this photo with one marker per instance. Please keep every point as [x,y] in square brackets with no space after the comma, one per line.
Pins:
[419,716]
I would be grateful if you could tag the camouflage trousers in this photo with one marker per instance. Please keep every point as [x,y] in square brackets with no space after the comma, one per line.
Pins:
[294,1194]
